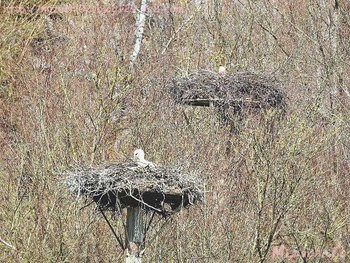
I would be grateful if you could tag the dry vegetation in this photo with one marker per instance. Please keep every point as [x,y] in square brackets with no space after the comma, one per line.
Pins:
[68,99]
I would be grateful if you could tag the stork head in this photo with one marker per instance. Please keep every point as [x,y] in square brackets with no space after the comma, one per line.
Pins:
[139,155]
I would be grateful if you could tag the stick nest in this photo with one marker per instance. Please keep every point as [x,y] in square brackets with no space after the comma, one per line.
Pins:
[240,92]
[118,186]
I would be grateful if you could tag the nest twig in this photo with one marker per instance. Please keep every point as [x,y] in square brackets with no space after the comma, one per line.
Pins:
[117,186]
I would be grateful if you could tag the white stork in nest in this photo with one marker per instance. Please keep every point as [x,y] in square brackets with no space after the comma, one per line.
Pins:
[139,158]
[222,70]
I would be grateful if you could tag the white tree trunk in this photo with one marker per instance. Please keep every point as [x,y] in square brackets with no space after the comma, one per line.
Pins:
[140,24]
[334,70]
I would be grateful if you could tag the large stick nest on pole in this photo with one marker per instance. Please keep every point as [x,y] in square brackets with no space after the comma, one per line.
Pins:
[240,92]
[118,186]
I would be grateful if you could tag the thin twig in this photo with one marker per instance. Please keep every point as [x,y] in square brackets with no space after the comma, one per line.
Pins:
[85,206]
[149,206]
[175,34]
[7,244]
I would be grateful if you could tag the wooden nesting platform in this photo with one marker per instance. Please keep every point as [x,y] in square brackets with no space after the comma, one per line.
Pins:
[126,185]
[243,91]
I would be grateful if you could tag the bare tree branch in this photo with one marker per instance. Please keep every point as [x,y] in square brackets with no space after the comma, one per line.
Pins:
[7,244]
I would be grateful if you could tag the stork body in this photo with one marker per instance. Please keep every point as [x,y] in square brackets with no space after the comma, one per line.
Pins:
[222,70]
[139,158]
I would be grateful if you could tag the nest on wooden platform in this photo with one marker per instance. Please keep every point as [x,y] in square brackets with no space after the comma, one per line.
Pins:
[238,93]
[123,185]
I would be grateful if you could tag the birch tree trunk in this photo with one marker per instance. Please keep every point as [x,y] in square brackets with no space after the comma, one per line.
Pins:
[334,95]
[333,37]
[140,25]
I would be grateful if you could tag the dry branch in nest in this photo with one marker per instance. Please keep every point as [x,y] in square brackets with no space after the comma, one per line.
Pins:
[234,94]
[118,186]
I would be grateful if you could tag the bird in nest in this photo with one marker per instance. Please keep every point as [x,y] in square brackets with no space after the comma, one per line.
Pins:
[222,70]
[139,159]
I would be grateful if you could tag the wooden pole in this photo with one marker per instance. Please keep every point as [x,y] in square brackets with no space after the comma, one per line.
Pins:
[134,234]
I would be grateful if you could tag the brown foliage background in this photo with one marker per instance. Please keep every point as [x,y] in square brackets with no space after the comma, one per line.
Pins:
[68,98]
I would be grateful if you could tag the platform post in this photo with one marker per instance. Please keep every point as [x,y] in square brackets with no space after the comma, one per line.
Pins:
[134,234]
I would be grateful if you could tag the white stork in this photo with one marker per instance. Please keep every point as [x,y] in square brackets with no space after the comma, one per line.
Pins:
[139,158]
[222,70]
